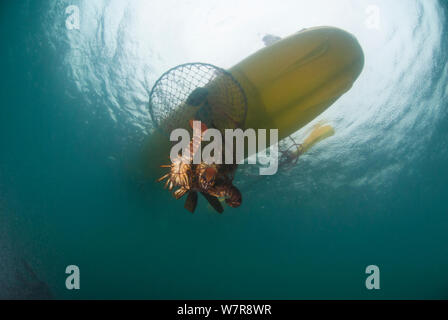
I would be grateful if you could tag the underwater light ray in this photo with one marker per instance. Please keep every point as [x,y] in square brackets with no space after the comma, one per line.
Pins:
[124,46]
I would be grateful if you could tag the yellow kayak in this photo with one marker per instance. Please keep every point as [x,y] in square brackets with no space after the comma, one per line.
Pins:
[287,85]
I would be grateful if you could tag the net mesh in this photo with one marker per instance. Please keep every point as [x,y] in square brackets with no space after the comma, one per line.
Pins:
[197,91]
[289,152]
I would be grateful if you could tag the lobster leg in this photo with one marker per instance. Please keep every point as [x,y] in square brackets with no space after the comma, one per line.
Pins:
[179,193]
[214,202]
[192,201]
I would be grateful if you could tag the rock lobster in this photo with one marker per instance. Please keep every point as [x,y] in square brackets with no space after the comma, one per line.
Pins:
[213,180]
